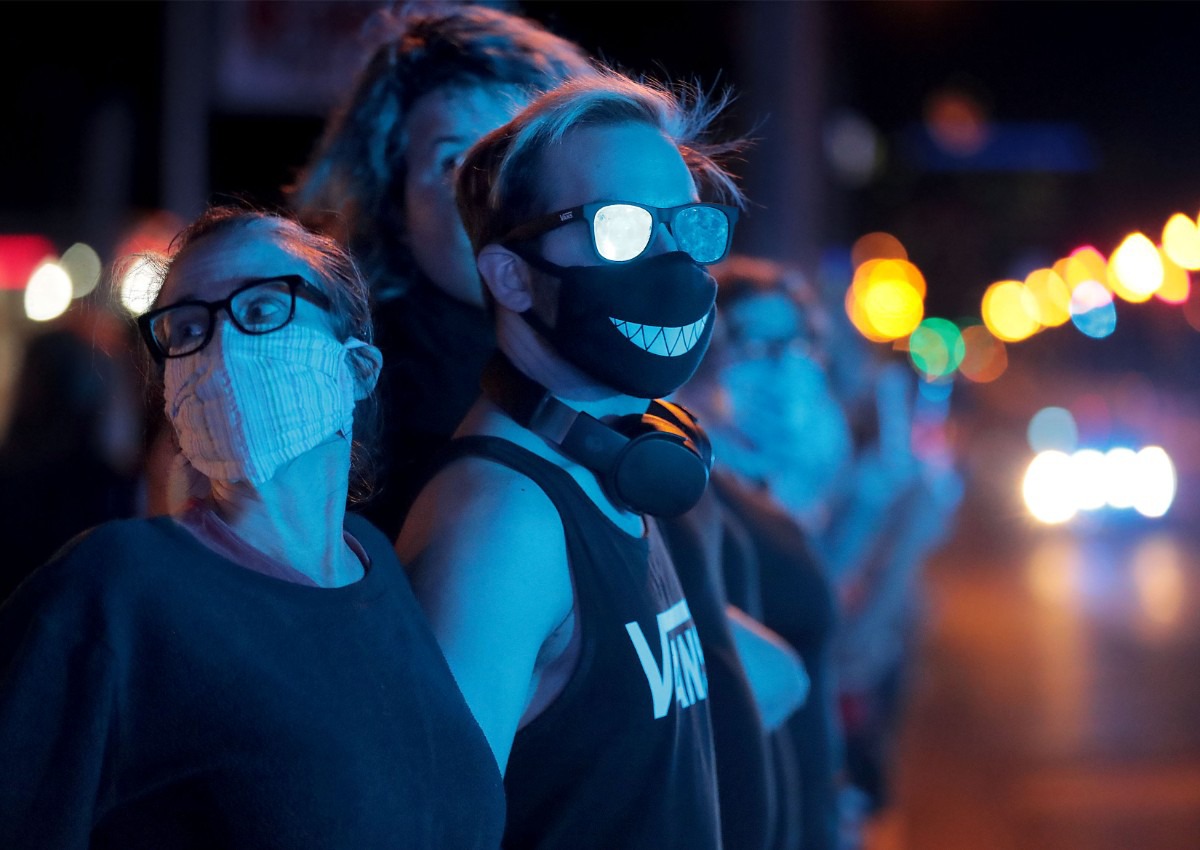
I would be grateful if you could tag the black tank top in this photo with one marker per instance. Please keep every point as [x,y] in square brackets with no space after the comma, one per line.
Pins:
[745,770]
[797,602]
[623,757]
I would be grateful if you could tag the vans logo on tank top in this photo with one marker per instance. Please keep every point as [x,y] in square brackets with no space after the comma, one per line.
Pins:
[682,671]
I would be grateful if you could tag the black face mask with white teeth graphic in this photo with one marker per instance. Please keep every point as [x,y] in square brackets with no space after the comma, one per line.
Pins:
[640,327]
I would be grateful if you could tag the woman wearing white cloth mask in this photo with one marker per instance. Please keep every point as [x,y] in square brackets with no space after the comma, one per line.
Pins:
[255,671]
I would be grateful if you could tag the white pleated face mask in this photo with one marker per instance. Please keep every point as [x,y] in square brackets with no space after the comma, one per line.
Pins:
[244,408]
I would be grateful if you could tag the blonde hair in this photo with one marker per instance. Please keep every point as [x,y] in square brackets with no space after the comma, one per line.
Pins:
[498,183]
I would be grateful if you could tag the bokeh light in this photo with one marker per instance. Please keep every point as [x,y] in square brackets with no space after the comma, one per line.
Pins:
[20,256]
[853,147]
[1010,311]
[82,264]
[1081,265]
[936,348]
[956,121]
[1156,482]
[1052,296]
[1092,309]
[138,284]
[1088,477]
[1177,283]
[1181,241]
[1160,580]
[1052,428]
[1121,477]
[1135,271]
[1057,485]
[885,301]
[1047,487]
[48,294]
[985,358]
[877,246]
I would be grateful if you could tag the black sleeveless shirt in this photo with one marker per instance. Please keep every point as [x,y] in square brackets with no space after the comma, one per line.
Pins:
[623,757]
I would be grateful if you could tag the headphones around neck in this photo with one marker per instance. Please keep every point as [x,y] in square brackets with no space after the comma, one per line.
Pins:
[654,463]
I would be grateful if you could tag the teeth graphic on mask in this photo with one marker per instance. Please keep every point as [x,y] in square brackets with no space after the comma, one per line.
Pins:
[666,342]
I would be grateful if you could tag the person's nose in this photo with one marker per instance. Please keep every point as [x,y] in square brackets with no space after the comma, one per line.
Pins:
[222,325]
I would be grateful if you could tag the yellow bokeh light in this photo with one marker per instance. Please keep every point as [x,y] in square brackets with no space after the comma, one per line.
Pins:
[876,271]
[886,299]
[877,246]
[48,293]
[1083,264]
[1135,270]
[1181,241]
[1051,295]
[1010,311]
[893,307]
[858,318]
[1177,283]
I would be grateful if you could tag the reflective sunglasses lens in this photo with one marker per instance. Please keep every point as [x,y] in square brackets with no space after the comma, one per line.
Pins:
[703,232]
[181,330]
[622,231]
[263,308]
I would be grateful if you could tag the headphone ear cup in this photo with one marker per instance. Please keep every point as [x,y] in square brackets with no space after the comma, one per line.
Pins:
[659,471]
[688,424]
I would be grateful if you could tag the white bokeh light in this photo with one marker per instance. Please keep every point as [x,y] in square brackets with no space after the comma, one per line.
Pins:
[1156,490]
[1089,473]
[1057,486]
[139,285]
[1121,478]
[1049,493]
[48,293]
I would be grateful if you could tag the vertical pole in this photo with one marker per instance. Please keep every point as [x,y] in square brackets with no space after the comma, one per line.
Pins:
[187,83]
[783,68]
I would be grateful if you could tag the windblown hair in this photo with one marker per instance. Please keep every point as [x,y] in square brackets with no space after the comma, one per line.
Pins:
[353,185]
[498,183]
[336,274]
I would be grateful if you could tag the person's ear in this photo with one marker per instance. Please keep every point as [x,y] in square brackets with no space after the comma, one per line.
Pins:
[366,361]
[507,277]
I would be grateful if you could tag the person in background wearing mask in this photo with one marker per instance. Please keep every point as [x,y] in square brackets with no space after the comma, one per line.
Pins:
[381,181]
[781,441]
[893,512]
[254,672]
[533,547]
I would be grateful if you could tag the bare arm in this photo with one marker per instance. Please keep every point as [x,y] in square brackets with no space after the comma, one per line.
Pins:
[484,548]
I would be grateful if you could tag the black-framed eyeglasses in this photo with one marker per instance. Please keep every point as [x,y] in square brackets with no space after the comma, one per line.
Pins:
[257,307]
[622,230]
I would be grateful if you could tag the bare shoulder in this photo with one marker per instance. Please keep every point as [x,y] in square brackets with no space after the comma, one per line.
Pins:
[481,527]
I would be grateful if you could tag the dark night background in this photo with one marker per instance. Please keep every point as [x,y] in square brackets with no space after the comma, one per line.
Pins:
[1123,74]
